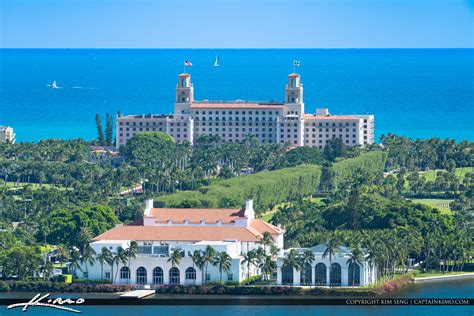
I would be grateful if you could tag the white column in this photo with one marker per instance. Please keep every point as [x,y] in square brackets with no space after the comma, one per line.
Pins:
[296,277]
[313,274]
[344,276]
[278,275]
[182,276]
[328,275]
[166,274]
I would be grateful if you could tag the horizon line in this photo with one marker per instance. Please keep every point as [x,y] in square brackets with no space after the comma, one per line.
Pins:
[237,48]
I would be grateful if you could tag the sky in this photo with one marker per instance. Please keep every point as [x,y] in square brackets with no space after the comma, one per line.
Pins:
[237,23]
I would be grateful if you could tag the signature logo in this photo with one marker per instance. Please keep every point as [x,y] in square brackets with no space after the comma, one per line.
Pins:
[43,301]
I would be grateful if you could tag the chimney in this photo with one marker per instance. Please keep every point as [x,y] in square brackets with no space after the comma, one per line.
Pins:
[148,207]
[249,212]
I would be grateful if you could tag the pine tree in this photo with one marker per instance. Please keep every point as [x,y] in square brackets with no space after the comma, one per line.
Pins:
[108,129]
[100,132]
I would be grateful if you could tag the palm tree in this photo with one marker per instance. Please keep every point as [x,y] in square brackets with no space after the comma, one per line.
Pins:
[332,248]
[355,258]
[224,262]
[307,257]
[131,252]
[209,257]
[105,256]
[267,266]
[249,258]
[47,269]
[63,254]
[74,263]
[119,258]
[88,257]
[292,259]
[196,258]
[266,240]
[175,258]
[274,250]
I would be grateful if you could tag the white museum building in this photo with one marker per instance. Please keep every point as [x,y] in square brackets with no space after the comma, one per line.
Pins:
[164,230]
[338,270]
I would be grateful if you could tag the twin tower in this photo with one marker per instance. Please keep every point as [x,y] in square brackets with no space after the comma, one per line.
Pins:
[293,102]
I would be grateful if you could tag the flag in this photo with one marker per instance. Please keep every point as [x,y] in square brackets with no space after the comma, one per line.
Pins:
[187,63]
[296,63]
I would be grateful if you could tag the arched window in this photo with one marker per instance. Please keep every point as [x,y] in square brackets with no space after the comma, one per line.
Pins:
[141,275]
[293,83]
[335,275]
[125,273]
[320,274]
[174,275]
[183,82]
[306,274]
[157,275]
[354,274]
[190,274]
[287,274]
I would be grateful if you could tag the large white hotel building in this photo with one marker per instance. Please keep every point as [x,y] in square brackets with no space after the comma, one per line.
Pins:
[270,122]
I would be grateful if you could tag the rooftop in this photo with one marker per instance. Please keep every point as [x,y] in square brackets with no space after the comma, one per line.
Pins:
[238,104]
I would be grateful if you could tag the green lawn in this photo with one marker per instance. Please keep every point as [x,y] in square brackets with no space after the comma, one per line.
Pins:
[34,186]
[460,172]
[418,274]
[440,204]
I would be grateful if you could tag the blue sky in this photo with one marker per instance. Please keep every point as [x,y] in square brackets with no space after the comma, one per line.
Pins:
[236,23]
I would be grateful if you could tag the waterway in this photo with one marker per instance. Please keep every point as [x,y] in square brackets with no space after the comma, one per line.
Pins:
[435,289]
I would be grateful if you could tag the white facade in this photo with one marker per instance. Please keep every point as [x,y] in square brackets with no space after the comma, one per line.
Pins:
[320,273]
[269,122]
[162,231]
[7,135]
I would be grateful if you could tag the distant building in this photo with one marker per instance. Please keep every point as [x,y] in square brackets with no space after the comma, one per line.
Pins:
[7,135]
[163,230]
[338,271]
[104,155]
[268,121]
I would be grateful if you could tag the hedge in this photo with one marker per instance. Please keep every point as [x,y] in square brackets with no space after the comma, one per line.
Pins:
[43,286]
[262,290]
[269,188]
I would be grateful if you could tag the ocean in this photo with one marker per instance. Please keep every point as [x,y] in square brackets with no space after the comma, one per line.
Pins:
[420,93]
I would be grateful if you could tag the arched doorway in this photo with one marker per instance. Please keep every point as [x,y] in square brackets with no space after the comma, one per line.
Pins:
[125,273]
[141,275]
[286,274]
[354,274]
[306,275]
[174,275]
[157,275]
[190,274]
[320,274]
[335,275]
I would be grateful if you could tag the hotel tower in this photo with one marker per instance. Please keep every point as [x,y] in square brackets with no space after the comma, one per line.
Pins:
[270,122]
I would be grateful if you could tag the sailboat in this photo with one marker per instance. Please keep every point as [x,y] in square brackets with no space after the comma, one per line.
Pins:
[53,85]
[217,62]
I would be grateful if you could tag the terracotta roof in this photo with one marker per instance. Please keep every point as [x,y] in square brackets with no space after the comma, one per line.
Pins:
[180,233]
[262,226]
[236,105]
[197,214]
[330,117]
[184,75]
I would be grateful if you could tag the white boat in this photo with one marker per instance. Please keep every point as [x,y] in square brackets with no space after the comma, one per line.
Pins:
[217,62]
[53,85]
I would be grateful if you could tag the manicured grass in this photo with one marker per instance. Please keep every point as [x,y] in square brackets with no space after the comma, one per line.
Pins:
[34,186]
[268,215]
[436,203]
[460,173]
[419,274]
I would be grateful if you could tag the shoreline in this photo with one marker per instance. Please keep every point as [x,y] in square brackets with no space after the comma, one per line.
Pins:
[443,277]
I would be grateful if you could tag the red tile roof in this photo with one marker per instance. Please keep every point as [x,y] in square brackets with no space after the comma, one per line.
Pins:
[330,117]
[181,233]
[197,214]
[236,105]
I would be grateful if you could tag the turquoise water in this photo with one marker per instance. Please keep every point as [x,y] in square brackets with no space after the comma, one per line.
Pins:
[418,93]
[445,289]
